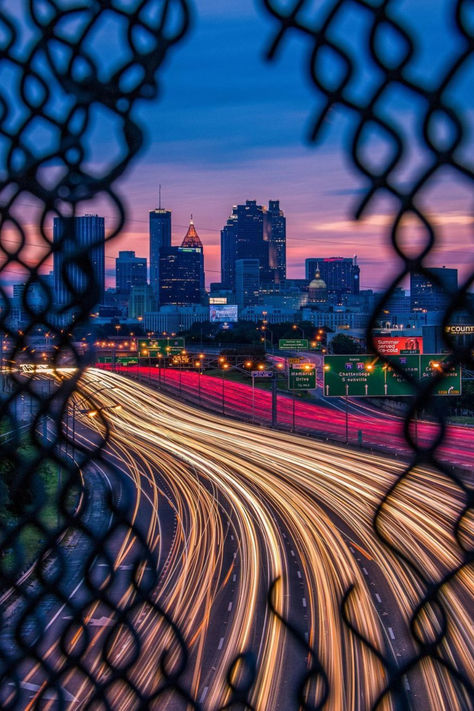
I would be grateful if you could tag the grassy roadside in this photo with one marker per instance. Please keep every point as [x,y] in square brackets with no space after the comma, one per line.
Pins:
[40,501]
[461,420]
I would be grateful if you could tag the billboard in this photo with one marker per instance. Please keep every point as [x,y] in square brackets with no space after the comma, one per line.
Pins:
[460,329]
[220,313]
[399,345]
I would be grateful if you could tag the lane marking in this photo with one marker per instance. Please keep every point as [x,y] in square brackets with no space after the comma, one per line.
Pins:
[203,695]
[304,602]
[361,550]
[29,686]
[390,631]
[221,642]
[229,607]
[378,598]
[407,683]
[292,553]
[365,571]
[298,573]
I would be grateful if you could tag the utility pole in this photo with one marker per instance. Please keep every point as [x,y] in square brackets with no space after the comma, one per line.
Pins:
[347,415]
[274,400]
[253,397]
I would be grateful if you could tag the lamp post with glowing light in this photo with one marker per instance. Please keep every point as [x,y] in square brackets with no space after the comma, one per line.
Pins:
[198,365]
[224,366]
[266,330]
[296,327]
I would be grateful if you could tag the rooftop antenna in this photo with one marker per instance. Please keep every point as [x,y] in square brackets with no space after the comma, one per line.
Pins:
[159,197]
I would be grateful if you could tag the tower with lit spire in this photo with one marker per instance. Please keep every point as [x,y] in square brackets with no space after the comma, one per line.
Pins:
[192,241]
[182,270]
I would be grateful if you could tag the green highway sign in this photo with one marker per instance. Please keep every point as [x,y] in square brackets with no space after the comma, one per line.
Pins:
[301,376]
[166,346]
[368,376]
[291,344]
[156,352]
[394,383]
[352,376]
[431,365]
[104,359]
[126,360]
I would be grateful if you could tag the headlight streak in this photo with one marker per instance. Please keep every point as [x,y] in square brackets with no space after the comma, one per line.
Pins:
[424,509]
[269,481]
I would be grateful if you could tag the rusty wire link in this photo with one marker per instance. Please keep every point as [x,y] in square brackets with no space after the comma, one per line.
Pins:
[368,109]
[56,84]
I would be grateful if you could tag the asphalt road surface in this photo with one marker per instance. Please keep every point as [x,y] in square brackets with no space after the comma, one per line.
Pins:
[225,509]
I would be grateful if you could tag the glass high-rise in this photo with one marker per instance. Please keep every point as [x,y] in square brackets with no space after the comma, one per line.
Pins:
[160,237]
[247,281]
[129,271]
[79,250]
[255,232]
[433,293]
[182,271]
[277,242]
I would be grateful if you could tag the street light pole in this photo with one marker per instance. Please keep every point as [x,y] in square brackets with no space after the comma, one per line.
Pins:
[253,397]
[295,326]
[274,400]
[223,394]
[347,414]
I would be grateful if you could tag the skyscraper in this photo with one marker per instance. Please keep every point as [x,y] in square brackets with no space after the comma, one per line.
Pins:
[253,232]
[277,241]
[182,271]
[129,271]
[191,239]
[341,274]
[247,281]
[79,249]
[228,252]
[160,237]
[432,294]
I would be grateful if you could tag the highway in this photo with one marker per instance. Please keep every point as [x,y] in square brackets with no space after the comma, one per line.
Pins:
[379,430]
[303,511]
[226,508]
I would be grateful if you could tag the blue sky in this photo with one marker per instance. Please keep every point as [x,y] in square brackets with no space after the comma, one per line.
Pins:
[229,126]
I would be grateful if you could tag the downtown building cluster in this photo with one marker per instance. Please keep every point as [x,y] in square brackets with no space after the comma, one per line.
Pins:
[166,292]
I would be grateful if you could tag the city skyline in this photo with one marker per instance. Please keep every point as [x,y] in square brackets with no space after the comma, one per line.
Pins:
[212,251]
[245,139]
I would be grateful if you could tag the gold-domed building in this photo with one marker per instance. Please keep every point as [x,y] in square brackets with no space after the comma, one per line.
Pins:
[317,290]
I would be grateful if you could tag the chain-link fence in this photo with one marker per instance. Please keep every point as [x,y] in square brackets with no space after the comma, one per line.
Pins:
[69,615]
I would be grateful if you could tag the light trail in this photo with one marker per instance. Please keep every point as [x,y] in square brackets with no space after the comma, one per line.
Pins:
[294,508]
[274,481]
[381,430]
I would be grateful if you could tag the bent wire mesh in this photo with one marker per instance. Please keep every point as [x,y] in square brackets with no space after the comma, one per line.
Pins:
[97,611]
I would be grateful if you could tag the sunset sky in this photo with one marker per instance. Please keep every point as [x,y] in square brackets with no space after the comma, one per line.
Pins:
[229,126]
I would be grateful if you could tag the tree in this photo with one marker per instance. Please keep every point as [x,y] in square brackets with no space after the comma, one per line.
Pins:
[345,345]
